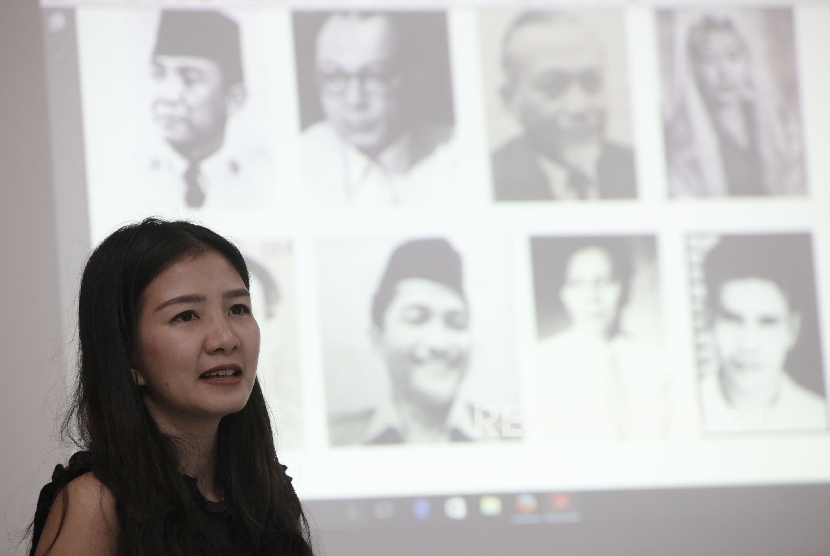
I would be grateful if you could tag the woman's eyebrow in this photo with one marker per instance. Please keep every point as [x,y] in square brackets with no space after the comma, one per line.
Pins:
[188,298]
[239,292]
[196,298]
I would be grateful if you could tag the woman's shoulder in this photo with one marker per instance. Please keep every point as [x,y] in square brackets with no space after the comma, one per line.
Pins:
[76,511]
[82,520]
[87,489]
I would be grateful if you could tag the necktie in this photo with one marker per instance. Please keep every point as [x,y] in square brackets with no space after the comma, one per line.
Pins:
[578,182]
[194,196]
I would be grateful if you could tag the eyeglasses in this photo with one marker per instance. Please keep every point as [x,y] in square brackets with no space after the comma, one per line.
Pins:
[556,83]
[369,82]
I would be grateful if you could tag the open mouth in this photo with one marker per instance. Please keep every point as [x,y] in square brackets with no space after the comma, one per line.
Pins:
[226,373]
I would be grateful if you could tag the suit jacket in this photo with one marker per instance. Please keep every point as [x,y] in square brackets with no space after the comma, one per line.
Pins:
[517,175]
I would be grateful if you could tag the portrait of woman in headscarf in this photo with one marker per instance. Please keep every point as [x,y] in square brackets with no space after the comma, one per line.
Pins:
[731,112]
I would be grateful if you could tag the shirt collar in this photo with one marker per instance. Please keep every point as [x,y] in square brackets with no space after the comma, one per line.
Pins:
[397,157]
[558,174]
[223,161]
[395,160]
[386,425]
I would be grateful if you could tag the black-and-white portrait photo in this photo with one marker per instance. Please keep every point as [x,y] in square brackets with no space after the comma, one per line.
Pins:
[759,348]
[599,343]
[407,328]
[731,109]
[271,266]
[181,121]
[558,105]
[376,108]
[198,84]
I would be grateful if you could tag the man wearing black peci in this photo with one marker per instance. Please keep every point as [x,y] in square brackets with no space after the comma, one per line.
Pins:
[198,86]
[421,329]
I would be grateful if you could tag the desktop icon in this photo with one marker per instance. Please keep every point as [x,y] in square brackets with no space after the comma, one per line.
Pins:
[525,503]
[489,505]
[352,512]
[455,507]
[420,508]
[560,501]
[384,509]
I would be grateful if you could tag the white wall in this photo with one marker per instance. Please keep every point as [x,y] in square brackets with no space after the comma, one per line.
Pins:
[31,388]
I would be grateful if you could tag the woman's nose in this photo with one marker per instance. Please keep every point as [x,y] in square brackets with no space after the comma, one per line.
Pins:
[221,337]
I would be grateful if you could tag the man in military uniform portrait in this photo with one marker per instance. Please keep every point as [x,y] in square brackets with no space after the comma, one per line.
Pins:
[198,86]
[420,323]
[555,89]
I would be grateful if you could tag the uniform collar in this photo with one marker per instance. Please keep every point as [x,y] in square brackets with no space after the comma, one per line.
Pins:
[386,425]
[223,161]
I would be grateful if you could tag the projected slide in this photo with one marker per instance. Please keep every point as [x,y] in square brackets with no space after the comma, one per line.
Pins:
[496,249]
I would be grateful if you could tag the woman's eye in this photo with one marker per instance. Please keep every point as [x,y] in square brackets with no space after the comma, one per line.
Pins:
[240,309]
[185,316]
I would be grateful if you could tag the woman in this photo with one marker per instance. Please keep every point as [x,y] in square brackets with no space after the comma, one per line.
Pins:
[730,128]
[595,374]
[178,449]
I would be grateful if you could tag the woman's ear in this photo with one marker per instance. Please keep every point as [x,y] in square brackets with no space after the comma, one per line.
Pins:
[138,377]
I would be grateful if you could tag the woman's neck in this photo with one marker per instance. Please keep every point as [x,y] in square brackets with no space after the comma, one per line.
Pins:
[196,450]
[197,458]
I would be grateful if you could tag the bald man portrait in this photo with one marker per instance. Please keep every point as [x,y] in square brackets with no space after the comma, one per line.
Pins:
[376,105]
[555,88]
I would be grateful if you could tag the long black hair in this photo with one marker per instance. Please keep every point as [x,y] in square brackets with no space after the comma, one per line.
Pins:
[108,417]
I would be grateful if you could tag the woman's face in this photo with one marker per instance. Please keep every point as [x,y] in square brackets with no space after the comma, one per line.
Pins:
[721,65]
[198,343]
[591,292]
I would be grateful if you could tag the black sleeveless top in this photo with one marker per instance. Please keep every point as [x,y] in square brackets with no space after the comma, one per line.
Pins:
[217,514]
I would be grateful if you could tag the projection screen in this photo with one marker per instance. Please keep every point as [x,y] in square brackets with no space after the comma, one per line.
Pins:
[532,277]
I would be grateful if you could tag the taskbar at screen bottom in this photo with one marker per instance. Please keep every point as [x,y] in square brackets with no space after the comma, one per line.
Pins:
[753,520]
[520,508]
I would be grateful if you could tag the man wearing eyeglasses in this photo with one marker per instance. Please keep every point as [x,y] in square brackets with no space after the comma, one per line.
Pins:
[372,148]
[555,90]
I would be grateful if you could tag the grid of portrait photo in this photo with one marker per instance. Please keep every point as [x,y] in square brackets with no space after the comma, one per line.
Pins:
[607,217]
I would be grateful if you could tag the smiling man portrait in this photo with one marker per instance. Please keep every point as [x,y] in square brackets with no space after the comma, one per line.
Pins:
[421,331]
